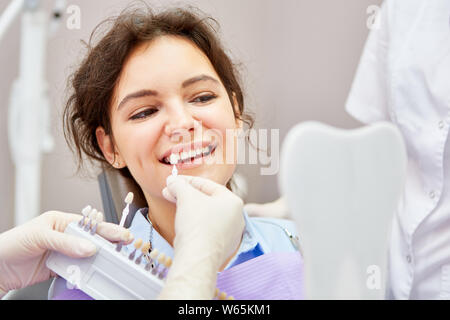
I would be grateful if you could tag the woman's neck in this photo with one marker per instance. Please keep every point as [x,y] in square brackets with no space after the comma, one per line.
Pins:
[162,215]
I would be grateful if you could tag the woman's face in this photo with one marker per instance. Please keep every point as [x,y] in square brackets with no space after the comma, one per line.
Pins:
[168,98]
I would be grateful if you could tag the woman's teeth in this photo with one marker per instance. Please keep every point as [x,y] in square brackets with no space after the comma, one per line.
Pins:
[175,158]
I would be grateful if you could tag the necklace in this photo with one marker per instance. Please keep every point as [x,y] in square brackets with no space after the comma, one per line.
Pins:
[150,238]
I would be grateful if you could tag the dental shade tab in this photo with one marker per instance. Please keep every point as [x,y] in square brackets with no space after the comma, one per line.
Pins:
[174,171]
[128,201]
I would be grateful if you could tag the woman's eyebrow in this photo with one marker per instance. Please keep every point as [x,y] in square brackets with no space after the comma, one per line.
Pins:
[138,94]
[145,92]
[202,77]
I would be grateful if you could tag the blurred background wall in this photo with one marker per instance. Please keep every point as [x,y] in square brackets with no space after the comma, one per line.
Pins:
[298,57]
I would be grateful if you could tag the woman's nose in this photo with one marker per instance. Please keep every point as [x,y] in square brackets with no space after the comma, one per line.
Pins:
[180,123]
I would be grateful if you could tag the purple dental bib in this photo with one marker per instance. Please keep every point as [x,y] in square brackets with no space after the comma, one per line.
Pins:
[271,276]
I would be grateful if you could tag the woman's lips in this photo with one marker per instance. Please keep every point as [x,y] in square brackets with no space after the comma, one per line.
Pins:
[188,147]
[189,163]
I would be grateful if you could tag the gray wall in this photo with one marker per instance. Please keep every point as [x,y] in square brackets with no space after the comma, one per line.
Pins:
[299,57]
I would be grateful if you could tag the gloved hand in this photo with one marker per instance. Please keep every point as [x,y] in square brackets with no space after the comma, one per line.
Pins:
[24,249]
[209,224]
[274,209]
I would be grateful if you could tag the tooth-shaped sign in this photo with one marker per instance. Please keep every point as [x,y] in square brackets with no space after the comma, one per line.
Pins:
[342,188]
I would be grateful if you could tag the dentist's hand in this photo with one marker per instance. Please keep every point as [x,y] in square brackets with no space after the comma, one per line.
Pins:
[209,224]
[24,249]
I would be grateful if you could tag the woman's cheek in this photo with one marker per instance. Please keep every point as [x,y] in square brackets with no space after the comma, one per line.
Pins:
[151,180]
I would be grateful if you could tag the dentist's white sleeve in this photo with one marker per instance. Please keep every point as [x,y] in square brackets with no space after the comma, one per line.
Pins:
[368,100]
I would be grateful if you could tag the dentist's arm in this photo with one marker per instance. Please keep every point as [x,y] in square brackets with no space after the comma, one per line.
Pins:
[208,225]
[24,249]
[274,209]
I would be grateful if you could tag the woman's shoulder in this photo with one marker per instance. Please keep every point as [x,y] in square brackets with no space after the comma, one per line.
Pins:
[274,223]
[274,234]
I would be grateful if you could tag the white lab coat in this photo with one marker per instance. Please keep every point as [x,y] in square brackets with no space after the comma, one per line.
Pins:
[404,77]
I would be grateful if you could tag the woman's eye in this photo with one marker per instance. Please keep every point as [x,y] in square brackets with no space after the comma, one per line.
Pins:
[204,98]
[143,114]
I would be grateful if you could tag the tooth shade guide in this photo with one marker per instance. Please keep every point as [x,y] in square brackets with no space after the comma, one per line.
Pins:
[98,219]
[160,265]
[144,251]
[128,234]
[220,295]
[92,214]
[90,219]
[129,198]
[154,254]
[161,258]
[168,262]
[145,248]
[174,171]
[133,282]
[85,212]
[138,244]
[119,246]
[148,266]
[121,243]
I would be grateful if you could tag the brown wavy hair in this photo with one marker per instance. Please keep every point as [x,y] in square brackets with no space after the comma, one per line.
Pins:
[93,83]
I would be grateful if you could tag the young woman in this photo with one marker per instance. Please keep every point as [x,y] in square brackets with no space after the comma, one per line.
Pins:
[156,89]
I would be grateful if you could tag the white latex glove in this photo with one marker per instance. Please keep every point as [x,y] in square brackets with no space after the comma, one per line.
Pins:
[275,209]
[208,229]
[24,249]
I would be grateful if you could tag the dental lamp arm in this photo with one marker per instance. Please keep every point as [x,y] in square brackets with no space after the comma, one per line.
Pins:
[9,15]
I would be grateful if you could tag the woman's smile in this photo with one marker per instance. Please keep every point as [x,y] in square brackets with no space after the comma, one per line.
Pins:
[189,155]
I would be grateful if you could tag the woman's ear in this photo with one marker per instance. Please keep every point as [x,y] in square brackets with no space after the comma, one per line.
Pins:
[107,146]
